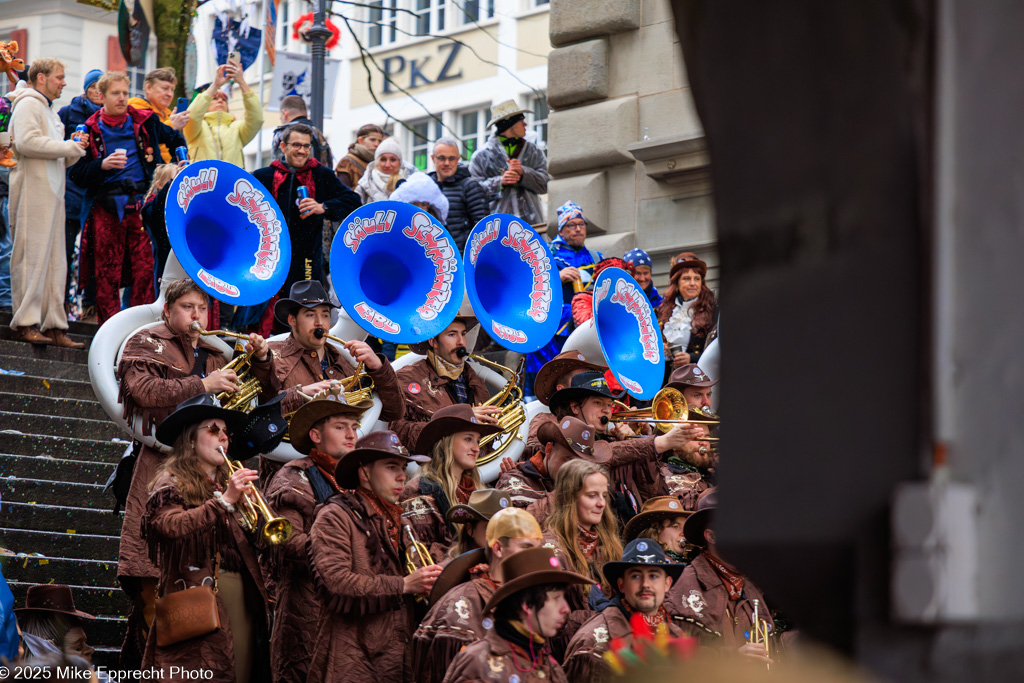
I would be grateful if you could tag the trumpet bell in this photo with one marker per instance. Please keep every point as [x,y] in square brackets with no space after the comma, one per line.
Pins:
[228,232]
[277,530]
[628,332]
[510,282]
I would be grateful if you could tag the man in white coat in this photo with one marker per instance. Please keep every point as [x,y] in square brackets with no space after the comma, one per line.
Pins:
[39,262]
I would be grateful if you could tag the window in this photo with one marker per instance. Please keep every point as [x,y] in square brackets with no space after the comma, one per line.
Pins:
[284,24]
[538,120]
[383,19]
[429,16]
[473,130]
[541,3]
[477,10]
[424,133]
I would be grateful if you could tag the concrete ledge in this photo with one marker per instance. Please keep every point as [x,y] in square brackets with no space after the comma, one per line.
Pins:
[575,20]
[608,128]
[590,191]
[578,74]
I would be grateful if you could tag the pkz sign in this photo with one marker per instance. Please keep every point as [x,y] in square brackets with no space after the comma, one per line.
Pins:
[415,73]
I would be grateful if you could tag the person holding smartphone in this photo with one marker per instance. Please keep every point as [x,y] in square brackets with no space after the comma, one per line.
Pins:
[212,132]
[688,315]
[159,90]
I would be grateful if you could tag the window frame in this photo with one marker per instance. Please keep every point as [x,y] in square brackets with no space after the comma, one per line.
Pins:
[413,146]
[535,124]
[480,135]
[385,25]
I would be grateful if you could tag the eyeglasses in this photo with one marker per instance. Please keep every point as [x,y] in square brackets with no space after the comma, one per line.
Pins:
[446,160]
[575,225]
[216,429]
[299,145]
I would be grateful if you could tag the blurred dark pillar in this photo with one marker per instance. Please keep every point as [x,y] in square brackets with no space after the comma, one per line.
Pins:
[817,120]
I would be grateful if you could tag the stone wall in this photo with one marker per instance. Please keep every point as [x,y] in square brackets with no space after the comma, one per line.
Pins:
[625,142]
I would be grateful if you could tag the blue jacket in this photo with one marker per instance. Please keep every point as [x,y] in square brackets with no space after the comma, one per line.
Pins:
[565,256]
[653,296]
[72,115]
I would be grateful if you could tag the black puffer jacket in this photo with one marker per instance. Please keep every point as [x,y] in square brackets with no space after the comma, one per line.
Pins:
[466,203]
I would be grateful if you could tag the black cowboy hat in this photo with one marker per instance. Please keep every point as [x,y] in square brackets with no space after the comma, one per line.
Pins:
[583,385]
[532,567]
[304,294]
[197,409]
[320,407]
[695,524]
[261,431]
[641,552]
[373,446]
[448,420]
[554,369]
[455,573]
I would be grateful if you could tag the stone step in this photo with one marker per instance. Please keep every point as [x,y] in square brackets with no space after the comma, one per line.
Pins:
[106,451]
[7,333]
[43,386]
[61,519]
[57,544]
[54,406]
[44,367]
[54,469]
[90,599]
[20,349]
[42,492]
[74,327]
[96,573]
[79,428]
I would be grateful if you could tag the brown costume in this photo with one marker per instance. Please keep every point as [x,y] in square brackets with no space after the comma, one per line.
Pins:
[365,621]
[455,621]
[293,495]
[425,393]
[524,484]
[351,167]
[494,659]
[701,595]
[295,366]
[684,485]
[422,501]
[184,542]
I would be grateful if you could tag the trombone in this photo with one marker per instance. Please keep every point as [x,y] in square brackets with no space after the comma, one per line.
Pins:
[668,408]
[248,385]
[252,505]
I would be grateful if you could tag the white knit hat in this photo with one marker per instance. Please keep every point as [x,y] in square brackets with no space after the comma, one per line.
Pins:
[389,146]
[420,187]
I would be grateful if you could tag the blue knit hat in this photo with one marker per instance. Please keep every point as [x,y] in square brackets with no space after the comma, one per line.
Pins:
[91,78]
[567,212]
[638,257]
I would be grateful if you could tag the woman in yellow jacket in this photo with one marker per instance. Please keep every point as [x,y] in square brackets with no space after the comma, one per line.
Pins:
[214,133]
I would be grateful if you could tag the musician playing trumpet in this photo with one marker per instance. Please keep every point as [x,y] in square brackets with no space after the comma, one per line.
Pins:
[162,366]
[306,364]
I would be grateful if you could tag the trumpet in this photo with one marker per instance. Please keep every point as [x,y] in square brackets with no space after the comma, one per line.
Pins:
[669,407]
[509,399]
[759,629]
[252,505]
[416,557]
[248,385]
[352,387]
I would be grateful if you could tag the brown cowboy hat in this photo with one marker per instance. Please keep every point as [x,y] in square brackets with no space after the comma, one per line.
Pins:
[689,375]
[687,261]
[456,572]
[532,567]
[653,511]
[464,316]
[482,505]
[448,420]
[697,522]
[320,407]
[549,374]
[373,446]
[52,597]
[578,437]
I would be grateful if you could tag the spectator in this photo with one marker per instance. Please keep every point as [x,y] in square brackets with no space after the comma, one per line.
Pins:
[423,192]
[50,614]
[466,201]
[328,198]
[351,167]
[214,133]
[293,110]
[384,173]
[512,171]
[38,261]
[153,217]
[641,263]
[159,90]
[75,114]
[689,313]
[119,166]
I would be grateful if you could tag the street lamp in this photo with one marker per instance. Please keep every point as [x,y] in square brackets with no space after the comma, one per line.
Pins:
[318,35]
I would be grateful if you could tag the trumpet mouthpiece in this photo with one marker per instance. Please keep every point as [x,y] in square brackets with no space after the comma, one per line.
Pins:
[319,333]
[461,352]
[604,420]
[195,326]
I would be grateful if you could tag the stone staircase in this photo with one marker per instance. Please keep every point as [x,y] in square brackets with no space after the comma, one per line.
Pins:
[57,449]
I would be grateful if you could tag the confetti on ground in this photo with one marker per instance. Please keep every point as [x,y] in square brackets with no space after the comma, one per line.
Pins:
[46,384]
[10,372]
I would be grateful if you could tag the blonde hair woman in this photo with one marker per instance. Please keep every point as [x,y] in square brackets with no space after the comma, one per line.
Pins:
[452,440]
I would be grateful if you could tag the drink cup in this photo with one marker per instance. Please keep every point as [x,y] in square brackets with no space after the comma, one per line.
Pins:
[5,139]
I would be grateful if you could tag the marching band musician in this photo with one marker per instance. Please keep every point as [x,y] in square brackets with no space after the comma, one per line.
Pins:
[687,473]
[473,517]
[306,364]
[452,441]
[324,430]
[356,558]
[661,520]
[456,618]
[441,379]
[160,367]
[195,539]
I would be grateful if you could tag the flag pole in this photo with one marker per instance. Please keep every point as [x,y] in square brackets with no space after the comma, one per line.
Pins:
[263,86]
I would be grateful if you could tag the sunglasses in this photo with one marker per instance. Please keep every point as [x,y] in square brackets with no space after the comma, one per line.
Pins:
[216,429]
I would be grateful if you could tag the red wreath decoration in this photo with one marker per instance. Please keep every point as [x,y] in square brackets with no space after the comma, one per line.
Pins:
[307,18]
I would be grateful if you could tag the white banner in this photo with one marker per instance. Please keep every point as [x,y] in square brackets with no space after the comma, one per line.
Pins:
[292,74]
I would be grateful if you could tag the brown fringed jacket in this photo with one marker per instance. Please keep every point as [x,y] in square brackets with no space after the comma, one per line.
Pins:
[366,621]
[425,393]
